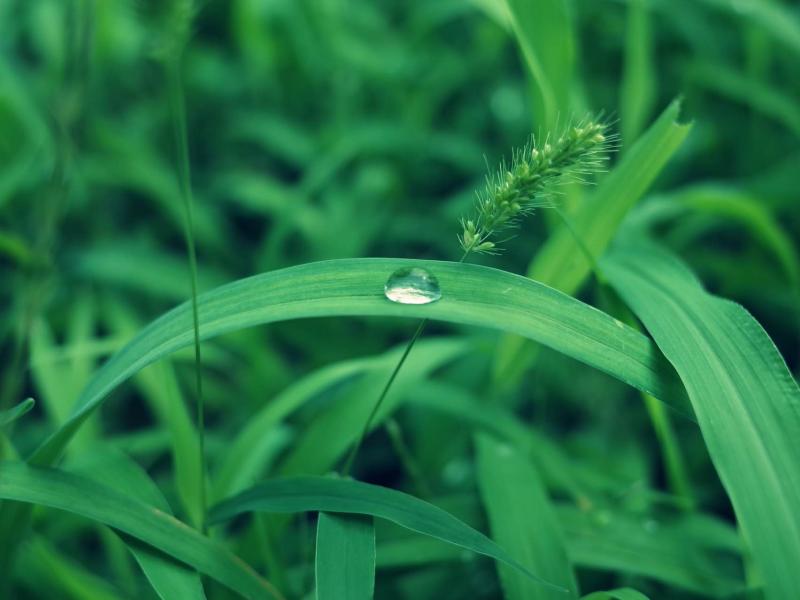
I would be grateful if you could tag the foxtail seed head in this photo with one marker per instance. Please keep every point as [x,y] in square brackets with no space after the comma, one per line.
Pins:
[518,189]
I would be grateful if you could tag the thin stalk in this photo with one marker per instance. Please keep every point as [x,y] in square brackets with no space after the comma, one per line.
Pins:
[376,407]
[178,110]
[368,423]
[587,254]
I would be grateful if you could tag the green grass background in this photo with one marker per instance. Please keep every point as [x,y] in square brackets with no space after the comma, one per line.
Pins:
[650,448]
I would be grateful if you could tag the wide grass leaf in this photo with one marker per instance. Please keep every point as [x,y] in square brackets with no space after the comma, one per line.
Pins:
[746,401]
[345,562]
[330,494]
[87,498]
[472,295]
[692,552]
[112,468]
[522,521]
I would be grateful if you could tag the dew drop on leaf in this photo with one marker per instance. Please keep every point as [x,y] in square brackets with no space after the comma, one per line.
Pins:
[412,285]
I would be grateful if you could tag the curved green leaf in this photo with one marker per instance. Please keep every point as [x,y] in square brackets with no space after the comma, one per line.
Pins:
[345,561]
[684,552]
[472,295]
[12,414]
[328,494]
[522,519]
[746,401]
[112,468]
[87,498]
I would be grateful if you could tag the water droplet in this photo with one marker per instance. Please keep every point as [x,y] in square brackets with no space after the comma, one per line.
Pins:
[412,285]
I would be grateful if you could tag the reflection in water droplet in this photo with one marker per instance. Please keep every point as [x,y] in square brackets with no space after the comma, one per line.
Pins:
[412,285]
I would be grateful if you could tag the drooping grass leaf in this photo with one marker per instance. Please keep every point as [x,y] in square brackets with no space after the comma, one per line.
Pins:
[746,401]
[328,494]
[243,461]
[345,562]
[472,295]
[522,521]
[695,552]
[87,498]
[111,468]
[62,576]
[159,385]
[12,414]
[690,553]
[561,262]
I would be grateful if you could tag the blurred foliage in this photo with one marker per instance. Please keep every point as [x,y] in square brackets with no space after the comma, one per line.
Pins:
[323,129]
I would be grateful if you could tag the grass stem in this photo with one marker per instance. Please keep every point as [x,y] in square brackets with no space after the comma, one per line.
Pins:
[178,111]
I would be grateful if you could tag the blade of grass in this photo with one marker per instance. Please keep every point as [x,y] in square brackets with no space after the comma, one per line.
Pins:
[345,560]
[63,577]
[555,466]
[112,468]
[472,295]
[328,494]
[84,497]
[328,437]
[694,552]
[241,465]
[637,91]
[545,35]
[685,554]
[159,385]
[12,414]
[746,401]
[523,521]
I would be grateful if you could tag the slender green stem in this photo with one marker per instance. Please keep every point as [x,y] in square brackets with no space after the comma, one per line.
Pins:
[368,423]
[178,108]
[587,254]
